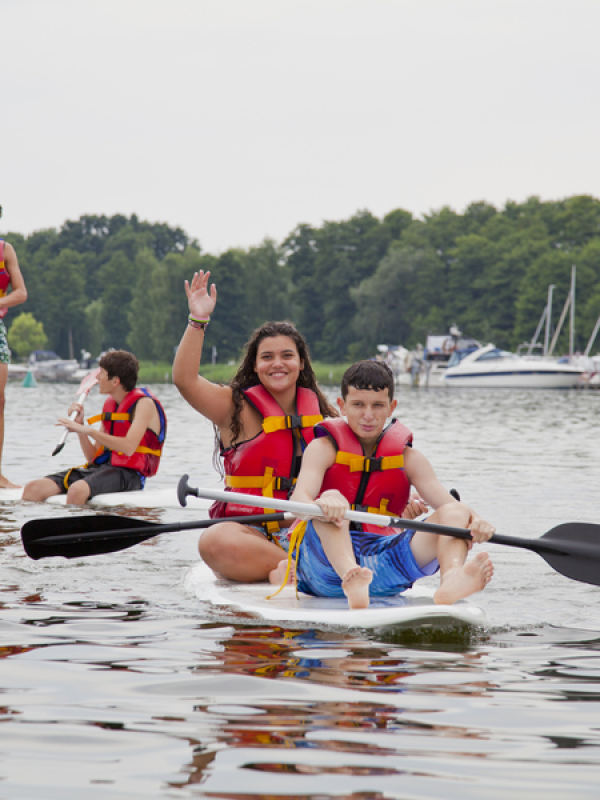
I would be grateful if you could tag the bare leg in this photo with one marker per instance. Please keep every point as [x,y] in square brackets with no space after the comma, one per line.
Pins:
[37,491]
[458,578]
[78,494]
[338,549]
[4,482]
[239,552]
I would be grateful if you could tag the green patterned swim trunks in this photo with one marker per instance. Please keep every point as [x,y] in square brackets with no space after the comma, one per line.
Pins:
[4,351]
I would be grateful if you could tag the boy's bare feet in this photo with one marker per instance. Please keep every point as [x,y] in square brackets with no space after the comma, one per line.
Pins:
[6,484]
[355,584]
[464,581]
[277,575]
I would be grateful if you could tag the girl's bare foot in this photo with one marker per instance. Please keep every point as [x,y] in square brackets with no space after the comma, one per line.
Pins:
[355,584]
[6,484]
[277,575]
[463,581]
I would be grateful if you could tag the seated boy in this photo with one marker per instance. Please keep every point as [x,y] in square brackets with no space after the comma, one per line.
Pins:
[127,448]
[362,462]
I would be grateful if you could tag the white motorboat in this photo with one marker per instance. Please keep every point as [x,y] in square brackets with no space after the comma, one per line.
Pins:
[44,365]
[492,368]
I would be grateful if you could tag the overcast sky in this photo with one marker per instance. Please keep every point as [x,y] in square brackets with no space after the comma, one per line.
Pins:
[239,119]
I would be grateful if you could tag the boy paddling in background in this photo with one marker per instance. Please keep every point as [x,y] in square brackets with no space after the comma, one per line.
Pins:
[364,462]
[127,448]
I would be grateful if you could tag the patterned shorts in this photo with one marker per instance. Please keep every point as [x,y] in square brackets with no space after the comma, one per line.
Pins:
[390,557]
[4,350]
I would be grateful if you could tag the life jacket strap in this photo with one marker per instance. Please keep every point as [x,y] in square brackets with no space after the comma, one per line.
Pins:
[290,422]
[357,463]
[110,416]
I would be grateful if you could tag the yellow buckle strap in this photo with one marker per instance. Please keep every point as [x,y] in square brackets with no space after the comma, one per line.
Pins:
[296,537]
[114,417]
[363,464]
[273,424]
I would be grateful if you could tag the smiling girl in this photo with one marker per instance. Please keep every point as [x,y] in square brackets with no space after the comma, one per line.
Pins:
[263,419]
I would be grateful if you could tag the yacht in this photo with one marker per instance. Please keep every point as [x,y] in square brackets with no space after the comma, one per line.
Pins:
[490,367]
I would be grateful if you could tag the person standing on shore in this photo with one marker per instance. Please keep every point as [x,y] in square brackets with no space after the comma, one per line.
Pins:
[10,275]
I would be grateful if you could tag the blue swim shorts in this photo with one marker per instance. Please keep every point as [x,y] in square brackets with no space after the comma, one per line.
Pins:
[390,557]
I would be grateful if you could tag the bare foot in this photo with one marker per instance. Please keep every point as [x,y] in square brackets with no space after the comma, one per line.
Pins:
[6,484]
[277,575]
[355,584]
[464,581]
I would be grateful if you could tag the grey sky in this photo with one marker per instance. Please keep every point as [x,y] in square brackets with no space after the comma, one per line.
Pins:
[239,119]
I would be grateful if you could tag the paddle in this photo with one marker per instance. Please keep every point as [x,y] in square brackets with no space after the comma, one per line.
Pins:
[573,548]
[91,379]
[77,536]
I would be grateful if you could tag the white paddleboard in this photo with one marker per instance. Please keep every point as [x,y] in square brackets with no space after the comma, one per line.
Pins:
[146,498]
[414,607]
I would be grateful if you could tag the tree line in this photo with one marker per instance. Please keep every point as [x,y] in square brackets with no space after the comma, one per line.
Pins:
[102,282]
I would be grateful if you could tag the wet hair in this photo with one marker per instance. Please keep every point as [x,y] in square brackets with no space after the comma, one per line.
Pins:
[246,375]
[374,375]
[122,365]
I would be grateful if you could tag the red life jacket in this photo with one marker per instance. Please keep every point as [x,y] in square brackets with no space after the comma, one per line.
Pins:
[267,464]
[4,278]
[377,484]
[116,421]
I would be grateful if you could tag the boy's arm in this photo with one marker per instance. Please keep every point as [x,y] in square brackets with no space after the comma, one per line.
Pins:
[318,457]
[144,412]
[422,476]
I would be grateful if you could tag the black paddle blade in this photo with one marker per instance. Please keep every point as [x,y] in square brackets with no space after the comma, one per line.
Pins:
[573,549]
[38,535]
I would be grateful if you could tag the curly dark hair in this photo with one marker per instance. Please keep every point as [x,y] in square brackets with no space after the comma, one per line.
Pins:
[246,376]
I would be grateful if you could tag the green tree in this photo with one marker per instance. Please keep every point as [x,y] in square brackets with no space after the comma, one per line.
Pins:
[26,334]
[62,285]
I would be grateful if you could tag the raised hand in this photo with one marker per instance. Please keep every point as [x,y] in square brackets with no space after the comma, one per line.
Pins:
[201,301]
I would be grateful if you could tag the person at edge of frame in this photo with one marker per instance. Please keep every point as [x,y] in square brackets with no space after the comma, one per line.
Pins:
[10,275]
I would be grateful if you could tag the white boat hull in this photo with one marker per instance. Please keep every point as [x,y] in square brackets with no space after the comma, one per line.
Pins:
[514,380]
[491,368]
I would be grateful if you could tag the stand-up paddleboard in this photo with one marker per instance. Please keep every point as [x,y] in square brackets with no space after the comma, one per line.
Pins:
[146,498]
[412,608]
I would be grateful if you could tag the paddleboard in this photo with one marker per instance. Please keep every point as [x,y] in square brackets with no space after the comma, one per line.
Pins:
[412,608]
[146,498]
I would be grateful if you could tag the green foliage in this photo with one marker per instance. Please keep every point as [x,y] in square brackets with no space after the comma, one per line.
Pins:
[348,285]
[26,334]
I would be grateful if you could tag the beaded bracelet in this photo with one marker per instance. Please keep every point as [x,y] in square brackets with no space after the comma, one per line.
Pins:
[199,324]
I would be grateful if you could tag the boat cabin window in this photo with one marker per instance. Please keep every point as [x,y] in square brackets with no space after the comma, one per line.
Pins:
[493,354]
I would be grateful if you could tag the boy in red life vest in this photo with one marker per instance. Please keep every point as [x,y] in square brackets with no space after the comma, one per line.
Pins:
[127,448]
[10,275]
[368,464]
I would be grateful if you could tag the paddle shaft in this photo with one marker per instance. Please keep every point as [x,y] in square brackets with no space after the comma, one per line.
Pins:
[84,388]
[365,518]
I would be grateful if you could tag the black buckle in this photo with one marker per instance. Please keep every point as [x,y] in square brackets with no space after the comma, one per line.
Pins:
[292,421]
[372,465]
[284,484]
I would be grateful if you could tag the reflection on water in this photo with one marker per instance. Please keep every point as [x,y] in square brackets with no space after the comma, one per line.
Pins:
[116,683]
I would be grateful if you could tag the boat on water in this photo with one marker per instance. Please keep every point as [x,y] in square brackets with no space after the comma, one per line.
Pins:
[46,365]
[427,367]
[490,367]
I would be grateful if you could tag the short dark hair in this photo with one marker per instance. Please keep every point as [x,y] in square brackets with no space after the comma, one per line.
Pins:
[122,365]
[374,375]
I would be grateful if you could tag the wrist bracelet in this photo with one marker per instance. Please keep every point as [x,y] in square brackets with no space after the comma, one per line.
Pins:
[199,324]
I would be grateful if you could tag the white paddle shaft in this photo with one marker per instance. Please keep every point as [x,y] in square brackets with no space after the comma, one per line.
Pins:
[301,509]
[72,416]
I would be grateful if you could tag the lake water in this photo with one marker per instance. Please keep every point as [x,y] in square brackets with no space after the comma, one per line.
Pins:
[116,682]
